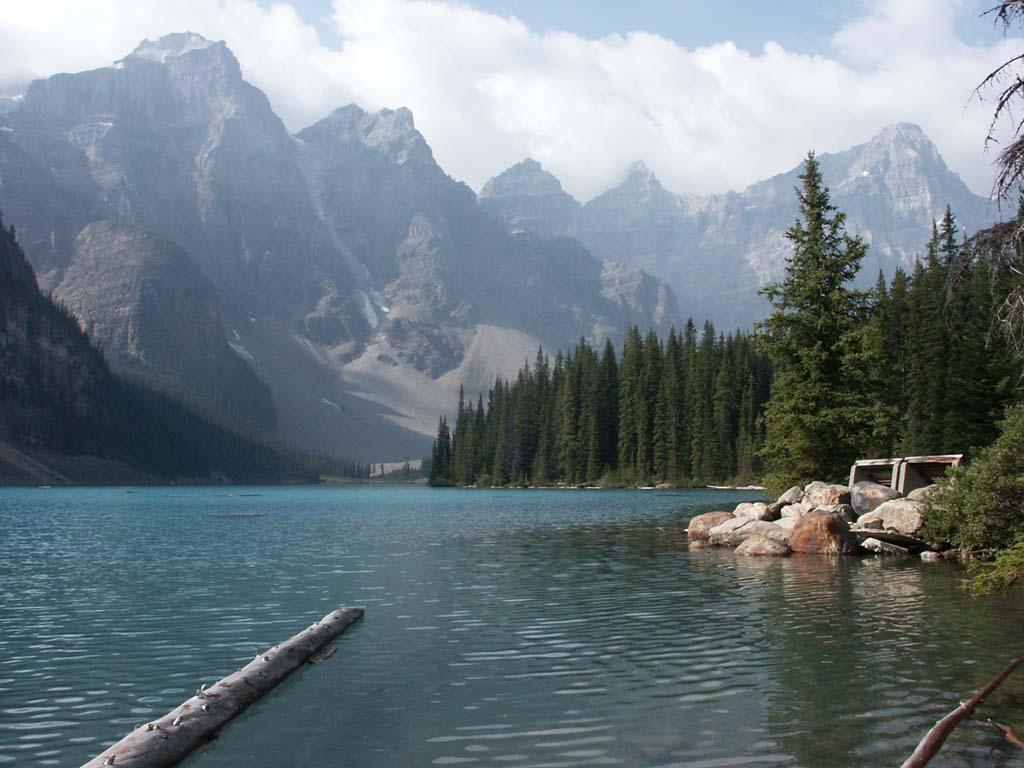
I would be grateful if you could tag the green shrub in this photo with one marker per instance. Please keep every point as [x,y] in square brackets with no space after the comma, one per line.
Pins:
[981,506]
[998,575]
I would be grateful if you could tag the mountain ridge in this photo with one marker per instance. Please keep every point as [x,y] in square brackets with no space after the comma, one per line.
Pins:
[342,241]
[716,251]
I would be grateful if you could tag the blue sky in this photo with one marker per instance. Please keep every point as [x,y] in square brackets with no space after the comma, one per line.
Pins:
[712,95]
[804,26]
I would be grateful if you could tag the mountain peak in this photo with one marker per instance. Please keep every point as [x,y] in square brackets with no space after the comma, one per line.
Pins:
[526,198]
[390,132]
[171,46]
[902,131]
[527,177]
[639,174]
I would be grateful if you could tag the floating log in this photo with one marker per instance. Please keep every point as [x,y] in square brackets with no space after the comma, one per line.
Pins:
[932,742]
[168,740]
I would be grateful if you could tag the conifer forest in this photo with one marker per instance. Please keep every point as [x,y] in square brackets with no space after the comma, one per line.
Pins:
[910,367]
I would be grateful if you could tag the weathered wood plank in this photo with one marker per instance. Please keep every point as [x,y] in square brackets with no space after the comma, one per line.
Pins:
[168,740]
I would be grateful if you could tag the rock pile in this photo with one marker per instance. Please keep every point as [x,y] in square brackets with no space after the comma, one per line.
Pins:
[822,518]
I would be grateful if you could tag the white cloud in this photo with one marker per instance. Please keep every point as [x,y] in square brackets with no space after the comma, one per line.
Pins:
[487,90]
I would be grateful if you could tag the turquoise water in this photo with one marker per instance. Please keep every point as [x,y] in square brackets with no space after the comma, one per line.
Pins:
[503,628]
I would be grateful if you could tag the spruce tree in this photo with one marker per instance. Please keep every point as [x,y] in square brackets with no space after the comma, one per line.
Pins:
[812,424]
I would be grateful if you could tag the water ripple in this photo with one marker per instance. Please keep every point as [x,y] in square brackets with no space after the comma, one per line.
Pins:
[521,629]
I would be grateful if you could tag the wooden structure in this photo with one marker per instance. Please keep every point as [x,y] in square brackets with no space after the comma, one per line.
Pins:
[168,740]
[906,474]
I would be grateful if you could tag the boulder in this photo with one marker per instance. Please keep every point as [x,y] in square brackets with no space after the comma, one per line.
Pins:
[734,532]
[786,523]
[923,494]
[884,547]
[797,510]
[867,496]
[742,507]
[762,545]
[793,496]
[775,509]
[867,525]
[754,512]
[843,510]
[700,526]
[822,533]
[870,521]
[931,557]
[821,494]
[903,515]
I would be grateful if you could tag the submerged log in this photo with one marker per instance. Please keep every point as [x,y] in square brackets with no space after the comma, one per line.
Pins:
[171,738]
[936,737]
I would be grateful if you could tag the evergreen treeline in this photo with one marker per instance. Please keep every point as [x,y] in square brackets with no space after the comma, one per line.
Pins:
[58,395]
[834,374]
[939,359]
[683,410]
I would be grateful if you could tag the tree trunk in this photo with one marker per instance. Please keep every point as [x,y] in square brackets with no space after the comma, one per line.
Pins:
[171,738]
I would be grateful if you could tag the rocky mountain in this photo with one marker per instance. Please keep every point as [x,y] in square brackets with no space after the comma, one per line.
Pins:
[140,297]
[717,251]
[526,198]
[66,417]
[342,265]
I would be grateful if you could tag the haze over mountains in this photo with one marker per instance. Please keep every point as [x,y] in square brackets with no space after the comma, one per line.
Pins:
[337,285]
[717,251]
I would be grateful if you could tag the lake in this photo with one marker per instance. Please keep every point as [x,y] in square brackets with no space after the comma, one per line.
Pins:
[502,628]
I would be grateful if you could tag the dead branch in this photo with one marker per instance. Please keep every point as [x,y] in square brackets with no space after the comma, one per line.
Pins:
[1008,733]
[932,742]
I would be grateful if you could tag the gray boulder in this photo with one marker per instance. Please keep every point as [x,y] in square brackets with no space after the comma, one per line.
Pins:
[866,496]
[826,494]
[734,532]
[902,515]
[793,496]
[700,526]
[754,511]
[872,521]
[786,523]
[763,546]
[797,510]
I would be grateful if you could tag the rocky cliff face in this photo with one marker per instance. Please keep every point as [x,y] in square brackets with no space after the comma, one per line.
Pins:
[436,264]
[141,298]
[526,198]
[717,251]
[346,245]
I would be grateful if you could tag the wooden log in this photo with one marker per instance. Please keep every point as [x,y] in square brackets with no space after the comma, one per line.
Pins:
[936,737]
[171,738]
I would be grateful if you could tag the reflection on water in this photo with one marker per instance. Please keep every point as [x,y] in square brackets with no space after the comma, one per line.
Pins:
[502,628]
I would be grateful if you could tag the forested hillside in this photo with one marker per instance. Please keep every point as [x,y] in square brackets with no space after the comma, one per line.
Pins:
[912,367]
[58,398]
[684,410]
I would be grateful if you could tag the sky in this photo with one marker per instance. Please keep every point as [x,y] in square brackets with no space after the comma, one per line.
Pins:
[711,95]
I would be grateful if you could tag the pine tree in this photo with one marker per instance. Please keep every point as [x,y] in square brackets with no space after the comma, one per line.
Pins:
[608,409]
[812,424]
[441,456]
[629,403]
